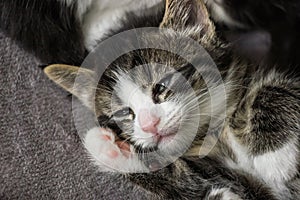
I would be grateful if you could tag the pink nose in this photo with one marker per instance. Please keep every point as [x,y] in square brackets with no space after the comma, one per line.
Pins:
[148,121]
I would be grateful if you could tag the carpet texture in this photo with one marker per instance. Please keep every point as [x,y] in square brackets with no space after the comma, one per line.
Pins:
[41,154]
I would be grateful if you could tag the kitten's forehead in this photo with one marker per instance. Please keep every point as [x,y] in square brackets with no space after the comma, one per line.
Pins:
[145,75]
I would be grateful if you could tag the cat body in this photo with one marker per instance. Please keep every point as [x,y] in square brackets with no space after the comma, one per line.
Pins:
[62,31]
[255,153]
[269,29]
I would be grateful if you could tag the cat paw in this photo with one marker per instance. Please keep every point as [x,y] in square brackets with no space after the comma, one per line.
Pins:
[111,154]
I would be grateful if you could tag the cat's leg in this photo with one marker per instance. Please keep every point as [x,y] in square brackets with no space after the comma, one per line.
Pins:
[111,154]
[180,180]
[265,128]
[201,179]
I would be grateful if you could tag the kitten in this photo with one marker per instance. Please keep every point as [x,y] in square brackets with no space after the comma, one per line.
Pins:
[269,28]
[256,152]
[62,30]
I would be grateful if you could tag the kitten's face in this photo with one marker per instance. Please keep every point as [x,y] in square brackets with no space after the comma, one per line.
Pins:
[156,106]
[151,105]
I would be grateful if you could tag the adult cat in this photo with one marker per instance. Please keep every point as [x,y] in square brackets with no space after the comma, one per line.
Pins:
[266,31]
[62,30]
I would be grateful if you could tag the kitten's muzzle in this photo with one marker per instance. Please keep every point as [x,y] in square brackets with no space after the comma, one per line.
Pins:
[148,121]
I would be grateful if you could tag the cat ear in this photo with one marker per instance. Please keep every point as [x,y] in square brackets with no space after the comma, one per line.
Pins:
[66,75]
[180,14]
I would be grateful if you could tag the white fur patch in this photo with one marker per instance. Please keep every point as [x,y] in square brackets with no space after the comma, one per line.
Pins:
[82,6]
[225,194]
[131,94]
[105,15]
[279,166]
[274,168]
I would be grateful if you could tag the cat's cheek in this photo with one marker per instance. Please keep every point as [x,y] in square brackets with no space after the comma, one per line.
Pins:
[111,155]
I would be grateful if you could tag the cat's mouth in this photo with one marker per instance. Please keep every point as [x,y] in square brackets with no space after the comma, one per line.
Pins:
[165,136]
[164,139]
[160,140]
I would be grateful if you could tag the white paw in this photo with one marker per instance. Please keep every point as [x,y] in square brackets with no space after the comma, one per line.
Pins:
[112,155]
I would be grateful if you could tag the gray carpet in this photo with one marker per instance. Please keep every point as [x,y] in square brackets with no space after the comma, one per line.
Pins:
[41,154]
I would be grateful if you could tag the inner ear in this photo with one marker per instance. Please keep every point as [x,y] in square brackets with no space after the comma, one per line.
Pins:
[199,16]
[78,81]
[180,14]
[198,13]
